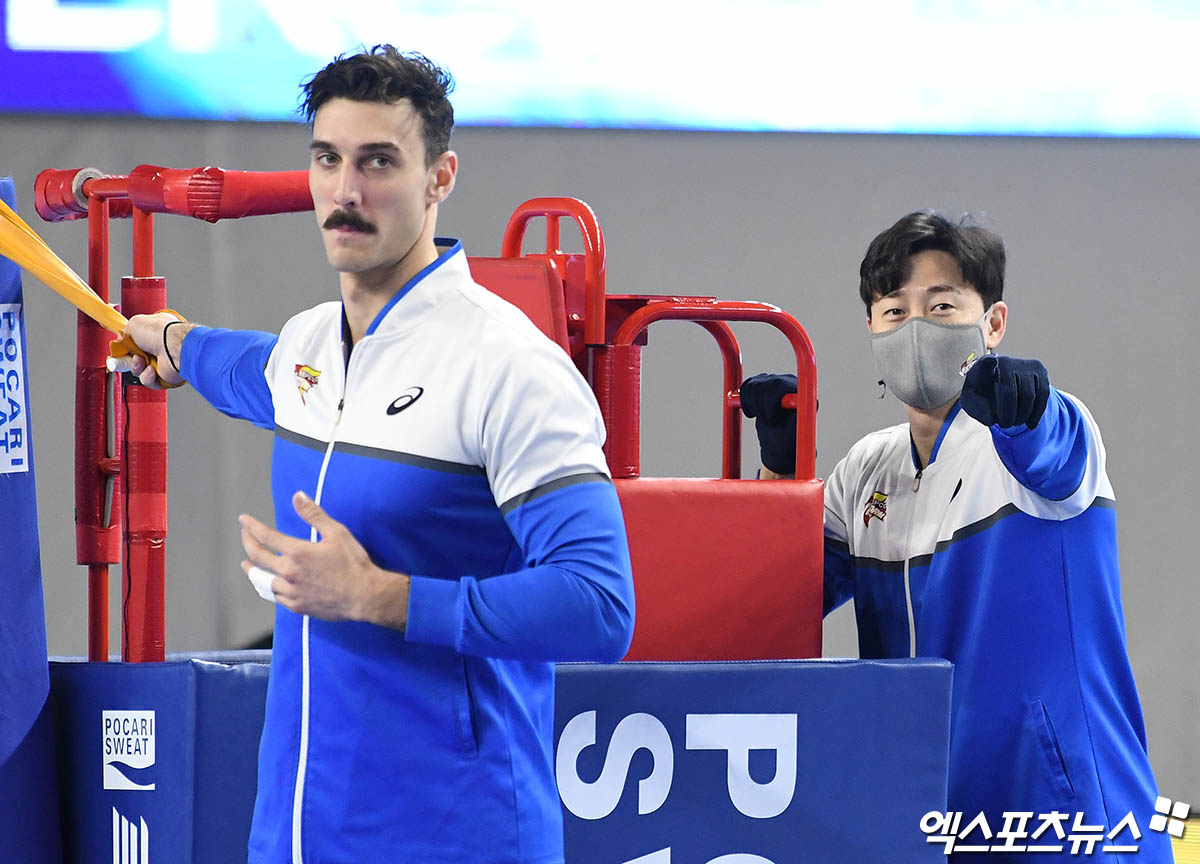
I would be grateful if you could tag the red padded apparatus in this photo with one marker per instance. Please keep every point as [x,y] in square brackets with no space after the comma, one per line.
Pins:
[725,569]
[530,284]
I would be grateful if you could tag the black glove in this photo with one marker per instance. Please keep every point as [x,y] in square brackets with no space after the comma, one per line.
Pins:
[775,425]
[1006,392]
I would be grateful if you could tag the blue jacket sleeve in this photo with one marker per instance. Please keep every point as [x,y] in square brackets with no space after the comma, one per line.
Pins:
[228,368]
[839,580]
[1051,458]
[573,601]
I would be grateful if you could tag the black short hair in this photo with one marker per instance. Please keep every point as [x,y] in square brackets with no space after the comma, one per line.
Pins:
[383,74]
[888,262]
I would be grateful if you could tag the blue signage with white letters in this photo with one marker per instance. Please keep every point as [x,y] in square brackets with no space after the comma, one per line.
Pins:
[14,431]
[751,763]
[768,762]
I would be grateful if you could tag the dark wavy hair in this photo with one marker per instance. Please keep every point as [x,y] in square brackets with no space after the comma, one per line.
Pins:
[383,74]
[888,262]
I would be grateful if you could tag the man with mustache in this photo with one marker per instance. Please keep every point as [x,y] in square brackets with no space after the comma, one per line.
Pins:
[983,531]
[446,529]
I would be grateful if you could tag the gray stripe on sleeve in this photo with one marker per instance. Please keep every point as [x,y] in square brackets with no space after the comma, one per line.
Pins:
[552,486]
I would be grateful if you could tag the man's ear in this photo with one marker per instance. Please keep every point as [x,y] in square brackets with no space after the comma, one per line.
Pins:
[995,323]
[442,174]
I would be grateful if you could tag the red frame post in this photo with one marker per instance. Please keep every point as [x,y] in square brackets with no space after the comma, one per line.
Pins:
[145,525]
[144,465]
[98,446]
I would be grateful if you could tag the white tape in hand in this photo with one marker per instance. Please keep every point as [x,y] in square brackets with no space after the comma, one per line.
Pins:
[261,580]
[119,364]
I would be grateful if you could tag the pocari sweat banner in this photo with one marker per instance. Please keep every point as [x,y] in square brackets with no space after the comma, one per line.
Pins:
[29,830]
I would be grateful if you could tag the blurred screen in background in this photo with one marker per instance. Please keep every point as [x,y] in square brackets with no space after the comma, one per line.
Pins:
[1014,67]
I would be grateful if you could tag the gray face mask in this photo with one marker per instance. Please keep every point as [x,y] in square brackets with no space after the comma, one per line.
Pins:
[924,362]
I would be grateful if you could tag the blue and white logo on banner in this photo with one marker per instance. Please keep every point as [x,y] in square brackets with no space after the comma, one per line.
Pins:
[14,429]
[128,749]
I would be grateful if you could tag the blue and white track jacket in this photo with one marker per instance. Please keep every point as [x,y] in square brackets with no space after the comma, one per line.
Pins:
[1001,556]
[460,446]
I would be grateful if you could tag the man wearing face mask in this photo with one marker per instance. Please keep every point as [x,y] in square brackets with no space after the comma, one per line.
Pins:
[983,531]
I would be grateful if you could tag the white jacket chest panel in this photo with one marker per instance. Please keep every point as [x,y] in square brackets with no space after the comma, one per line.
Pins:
[404,395]
[411,392]
[956,490]
[452,373]
[966,484]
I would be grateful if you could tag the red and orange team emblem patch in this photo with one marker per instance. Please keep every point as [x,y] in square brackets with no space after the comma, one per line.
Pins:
[306,379]
[876,506]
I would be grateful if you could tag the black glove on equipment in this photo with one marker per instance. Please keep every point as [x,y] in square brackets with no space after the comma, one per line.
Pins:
[1006,392]
[775,425]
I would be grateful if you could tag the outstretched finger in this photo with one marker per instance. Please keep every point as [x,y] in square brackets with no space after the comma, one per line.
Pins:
[259,555]
[266,536]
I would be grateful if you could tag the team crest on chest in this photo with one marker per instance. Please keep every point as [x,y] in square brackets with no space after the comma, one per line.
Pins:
[876,506]
[306,379]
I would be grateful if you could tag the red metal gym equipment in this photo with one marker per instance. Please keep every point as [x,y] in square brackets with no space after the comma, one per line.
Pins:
[723,569]
[121,434]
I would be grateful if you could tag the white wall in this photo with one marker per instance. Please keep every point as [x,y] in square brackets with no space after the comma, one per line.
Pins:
[1101,237]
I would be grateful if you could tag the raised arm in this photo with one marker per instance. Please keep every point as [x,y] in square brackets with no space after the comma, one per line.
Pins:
[227,367]
[1040,435]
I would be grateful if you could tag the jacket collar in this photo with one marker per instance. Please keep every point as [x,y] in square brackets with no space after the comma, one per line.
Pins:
[422,291]
[957,428]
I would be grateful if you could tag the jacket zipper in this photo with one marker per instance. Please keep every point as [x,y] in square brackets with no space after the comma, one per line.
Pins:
[912,621]
[298,799]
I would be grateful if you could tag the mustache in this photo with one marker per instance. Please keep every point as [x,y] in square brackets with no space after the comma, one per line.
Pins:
[349,219]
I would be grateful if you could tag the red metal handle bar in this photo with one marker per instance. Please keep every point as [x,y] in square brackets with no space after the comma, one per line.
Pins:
[706,309]
[207,193]
[594,256]
[212,193]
